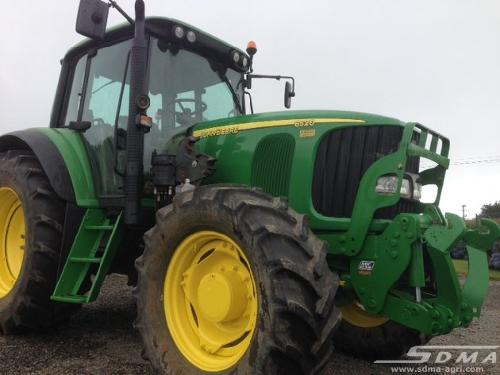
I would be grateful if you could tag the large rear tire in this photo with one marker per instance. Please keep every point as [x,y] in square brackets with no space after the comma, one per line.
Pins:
[31,222]
[221,258]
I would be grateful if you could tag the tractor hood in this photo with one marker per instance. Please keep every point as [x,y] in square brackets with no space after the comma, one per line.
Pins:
[297,119]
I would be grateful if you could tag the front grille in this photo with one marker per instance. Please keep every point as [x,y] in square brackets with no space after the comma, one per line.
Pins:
[272,164]
[343,157]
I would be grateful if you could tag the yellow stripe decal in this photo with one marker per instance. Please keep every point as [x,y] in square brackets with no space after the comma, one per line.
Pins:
[298,123]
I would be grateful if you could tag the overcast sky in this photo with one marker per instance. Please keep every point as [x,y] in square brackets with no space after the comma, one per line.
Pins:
[435,62]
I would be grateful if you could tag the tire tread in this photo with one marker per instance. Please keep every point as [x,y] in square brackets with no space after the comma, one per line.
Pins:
[307,310]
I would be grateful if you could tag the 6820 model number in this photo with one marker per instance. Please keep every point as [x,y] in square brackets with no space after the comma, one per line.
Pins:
[304,123]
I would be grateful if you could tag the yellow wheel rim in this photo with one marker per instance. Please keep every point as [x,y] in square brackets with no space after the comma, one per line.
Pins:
[210,301]
[356,315]
[12,239]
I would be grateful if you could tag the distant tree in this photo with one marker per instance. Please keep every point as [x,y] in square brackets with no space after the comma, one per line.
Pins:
[491,210]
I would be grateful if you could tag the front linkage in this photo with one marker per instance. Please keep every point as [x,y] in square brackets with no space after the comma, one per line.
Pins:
[406,273]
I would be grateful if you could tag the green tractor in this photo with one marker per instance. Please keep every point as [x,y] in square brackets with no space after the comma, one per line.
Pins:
[257,242]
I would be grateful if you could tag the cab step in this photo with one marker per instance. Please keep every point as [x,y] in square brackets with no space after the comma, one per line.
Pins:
[90,257]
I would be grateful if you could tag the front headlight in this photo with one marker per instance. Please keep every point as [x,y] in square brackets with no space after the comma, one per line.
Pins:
[389,184]
[417,191]
[405,189]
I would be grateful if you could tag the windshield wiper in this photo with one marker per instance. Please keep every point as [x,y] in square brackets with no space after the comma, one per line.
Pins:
[103,86]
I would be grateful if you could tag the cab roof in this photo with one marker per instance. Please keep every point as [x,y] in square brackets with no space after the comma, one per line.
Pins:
[163,28]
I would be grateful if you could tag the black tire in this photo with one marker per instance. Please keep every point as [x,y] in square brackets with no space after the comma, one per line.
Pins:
[387,341]
[28,305]
[296,288]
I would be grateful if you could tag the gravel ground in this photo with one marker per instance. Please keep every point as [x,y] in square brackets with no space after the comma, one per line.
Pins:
[100,340]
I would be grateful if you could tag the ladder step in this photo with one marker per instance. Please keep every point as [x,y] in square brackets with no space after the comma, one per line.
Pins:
[69,299]
[99,227]
[85,260]
[96,243]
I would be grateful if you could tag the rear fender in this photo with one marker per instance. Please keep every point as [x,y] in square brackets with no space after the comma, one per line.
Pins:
[64,159]
[47,154]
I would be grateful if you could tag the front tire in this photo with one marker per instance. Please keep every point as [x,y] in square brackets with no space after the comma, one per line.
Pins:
[277,283]
[367,336]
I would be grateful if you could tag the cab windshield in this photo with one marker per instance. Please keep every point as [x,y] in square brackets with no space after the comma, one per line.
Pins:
[186,88]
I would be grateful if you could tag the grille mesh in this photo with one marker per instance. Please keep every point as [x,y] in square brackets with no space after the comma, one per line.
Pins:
[272,164]
[343,157]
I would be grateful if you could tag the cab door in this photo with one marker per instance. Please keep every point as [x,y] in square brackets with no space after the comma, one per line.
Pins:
[100,96]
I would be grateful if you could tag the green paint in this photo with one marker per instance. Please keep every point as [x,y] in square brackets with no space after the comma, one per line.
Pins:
[97,232]
[462,268]
[391,252]
[272,164]
[416,276]
[286,115]
[235,154]
[70,145]
[384,291]
[397,247]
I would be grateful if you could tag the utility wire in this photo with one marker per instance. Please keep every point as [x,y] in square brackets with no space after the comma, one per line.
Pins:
[467,161]
[479,161]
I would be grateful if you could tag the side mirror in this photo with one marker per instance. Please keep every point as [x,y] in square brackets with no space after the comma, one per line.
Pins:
[92,18]
[289,94]
[248,82]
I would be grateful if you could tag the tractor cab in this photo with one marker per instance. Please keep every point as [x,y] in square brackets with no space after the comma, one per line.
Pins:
[190,77]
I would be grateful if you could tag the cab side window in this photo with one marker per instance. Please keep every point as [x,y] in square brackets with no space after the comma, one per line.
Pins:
[106,85]
[76,87]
